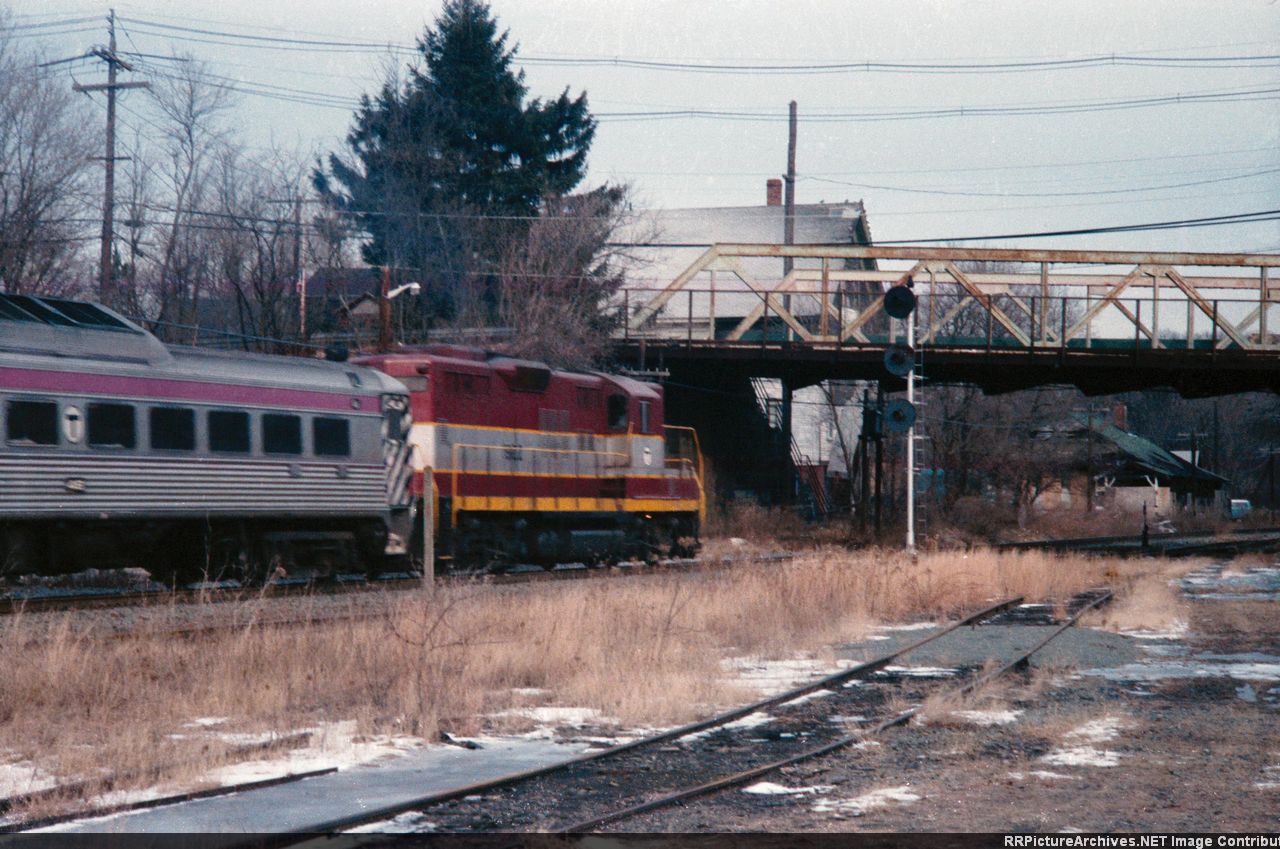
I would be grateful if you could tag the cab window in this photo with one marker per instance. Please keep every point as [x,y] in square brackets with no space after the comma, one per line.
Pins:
[617,412]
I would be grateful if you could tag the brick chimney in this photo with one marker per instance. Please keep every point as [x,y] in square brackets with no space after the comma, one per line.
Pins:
[773,192]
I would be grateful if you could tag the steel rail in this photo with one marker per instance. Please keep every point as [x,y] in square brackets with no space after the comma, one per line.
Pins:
[835,745]
[127,807]
[109,782]
[861,670]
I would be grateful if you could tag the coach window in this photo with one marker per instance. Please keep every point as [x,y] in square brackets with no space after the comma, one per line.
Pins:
[644,416]
[173,428]
[331,437]
[281,434]
[32,422]
[617,412]
[228,432]
[111,426]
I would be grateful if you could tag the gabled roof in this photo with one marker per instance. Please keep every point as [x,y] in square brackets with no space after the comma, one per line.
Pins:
[1151,456]
[675,238]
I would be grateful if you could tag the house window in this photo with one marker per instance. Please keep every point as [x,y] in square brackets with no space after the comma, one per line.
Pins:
[228,432]
[281,434]
[111,426]
[32,422]
[173,428]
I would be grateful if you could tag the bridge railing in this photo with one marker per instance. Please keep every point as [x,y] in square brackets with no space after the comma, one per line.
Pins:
[1206,302]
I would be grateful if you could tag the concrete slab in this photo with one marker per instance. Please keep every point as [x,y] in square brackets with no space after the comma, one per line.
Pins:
[312,803]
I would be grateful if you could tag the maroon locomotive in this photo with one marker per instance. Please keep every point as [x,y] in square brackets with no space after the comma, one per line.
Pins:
[533,464]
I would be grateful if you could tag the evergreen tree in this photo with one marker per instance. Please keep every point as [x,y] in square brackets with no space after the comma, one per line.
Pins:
[447,166]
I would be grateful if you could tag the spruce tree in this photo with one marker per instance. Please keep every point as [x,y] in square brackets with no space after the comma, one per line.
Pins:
[447,166]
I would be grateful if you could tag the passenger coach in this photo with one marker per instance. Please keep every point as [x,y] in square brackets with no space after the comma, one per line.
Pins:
[118,449]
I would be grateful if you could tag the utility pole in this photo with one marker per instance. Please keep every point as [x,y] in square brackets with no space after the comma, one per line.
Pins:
[789,208]
[384,311]
[114,64]
[297,269]
[789,194]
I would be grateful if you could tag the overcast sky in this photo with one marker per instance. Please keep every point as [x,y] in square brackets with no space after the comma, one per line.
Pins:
[923,175]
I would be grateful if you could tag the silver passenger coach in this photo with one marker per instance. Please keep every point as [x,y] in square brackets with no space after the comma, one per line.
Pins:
[116,449]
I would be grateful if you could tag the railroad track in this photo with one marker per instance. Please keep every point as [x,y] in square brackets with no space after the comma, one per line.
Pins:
[1193,543]
[90,598]
[706,756]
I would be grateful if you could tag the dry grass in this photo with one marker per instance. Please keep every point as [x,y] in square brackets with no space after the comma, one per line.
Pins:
[645,650]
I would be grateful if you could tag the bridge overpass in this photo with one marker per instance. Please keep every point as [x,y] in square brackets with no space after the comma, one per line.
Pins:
[1003,319]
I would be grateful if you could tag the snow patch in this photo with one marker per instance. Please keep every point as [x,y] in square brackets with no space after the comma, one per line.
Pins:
[206,722]
[560,715]
[1099,730]
[1192,668]
[751,720]
[335,745]
[920,671]
[868,801]
[410,823]
[911,626]
[1082,756]
[23,777]
[799,700]
[1176,630]
[988,717]
[776,676]
[1043,774]
[768,788]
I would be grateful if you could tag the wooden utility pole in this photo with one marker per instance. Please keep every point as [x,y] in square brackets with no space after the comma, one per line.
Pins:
[789,195]
[384,311]
[114,64]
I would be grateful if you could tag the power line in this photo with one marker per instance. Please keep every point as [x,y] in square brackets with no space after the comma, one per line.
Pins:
[1091,193]
[1212,221]
[971,66]
[1252,94]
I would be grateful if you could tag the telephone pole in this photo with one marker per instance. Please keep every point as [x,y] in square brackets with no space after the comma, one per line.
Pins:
[111,86]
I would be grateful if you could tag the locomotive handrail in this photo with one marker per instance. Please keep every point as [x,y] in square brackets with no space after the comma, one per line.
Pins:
[696,460]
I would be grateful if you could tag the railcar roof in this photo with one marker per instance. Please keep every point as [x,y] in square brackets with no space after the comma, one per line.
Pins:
[405,360]
[56,333]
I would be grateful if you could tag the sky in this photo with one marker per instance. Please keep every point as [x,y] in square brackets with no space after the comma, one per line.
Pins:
[934,152]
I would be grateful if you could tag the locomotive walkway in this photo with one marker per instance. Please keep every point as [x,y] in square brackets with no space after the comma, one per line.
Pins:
[1104,321]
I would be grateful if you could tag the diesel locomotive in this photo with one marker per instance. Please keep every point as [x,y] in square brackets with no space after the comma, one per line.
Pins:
[528,464]
[117,449]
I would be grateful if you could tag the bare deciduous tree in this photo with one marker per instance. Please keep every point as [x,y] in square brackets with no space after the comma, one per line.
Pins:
[558,276]
[192,110]
[44,175]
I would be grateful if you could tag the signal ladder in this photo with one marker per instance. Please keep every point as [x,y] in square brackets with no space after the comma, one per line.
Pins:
[926,482]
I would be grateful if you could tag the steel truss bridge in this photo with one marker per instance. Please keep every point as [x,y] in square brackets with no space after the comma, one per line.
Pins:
[1003,319]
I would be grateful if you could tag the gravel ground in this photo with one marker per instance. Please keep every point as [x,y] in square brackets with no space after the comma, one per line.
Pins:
[1095,745]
